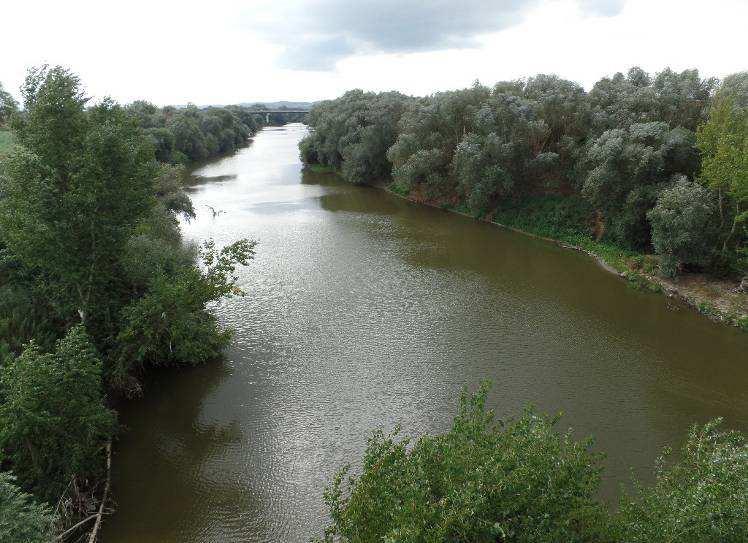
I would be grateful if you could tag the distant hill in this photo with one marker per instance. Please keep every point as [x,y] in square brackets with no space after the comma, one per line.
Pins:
[283,104]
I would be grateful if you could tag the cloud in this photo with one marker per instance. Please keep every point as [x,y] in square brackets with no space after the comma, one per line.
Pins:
[316,34]
[315,52]
[603,8]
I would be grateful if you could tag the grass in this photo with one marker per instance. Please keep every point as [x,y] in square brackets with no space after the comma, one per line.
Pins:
[566,219]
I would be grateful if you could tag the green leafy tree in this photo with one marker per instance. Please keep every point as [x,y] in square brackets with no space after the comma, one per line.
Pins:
[735,87]
[8,106]
[353,133]
[628,169]
[22,518]
[430,131]
[169,187]
[73,194]
[701,498]
[169,324]
[189,139]
[723,142]
[678,99]
[484,480]
[53,422]
[684,226]
[479,167]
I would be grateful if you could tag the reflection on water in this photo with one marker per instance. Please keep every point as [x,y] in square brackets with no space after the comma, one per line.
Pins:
[197,180]
[367,310]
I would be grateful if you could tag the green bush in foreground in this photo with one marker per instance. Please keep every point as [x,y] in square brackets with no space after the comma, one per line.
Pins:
[703,498]
[53,421]
[22,519]
[484,480]
[169,326]
[522,481]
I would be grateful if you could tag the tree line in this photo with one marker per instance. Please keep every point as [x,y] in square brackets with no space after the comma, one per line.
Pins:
[191,134]
[642,163]
[96,283]
[647,163]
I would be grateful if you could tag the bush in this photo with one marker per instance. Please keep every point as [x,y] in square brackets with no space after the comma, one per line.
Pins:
[560,217]
[53,422]
[702,498]
[22,519]
[484,480]
[170,324]
[684,226]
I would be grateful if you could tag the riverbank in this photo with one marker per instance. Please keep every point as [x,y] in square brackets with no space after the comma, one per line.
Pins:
[720,300]
[355,290]
[561,220]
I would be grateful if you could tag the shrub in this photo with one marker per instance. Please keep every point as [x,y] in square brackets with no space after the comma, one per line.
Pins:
[684,226]
[484,480]
[701,498]
[22,519]
[53,422]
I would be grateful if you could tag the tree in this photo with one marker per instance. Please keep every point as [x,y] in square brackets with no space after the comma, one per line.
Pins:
[683,98]
[479,168]
[169,187]
[353,133]
[169,324]
[22,518]
[678,99]
[484,480]
[73,194]
[189,139]
[53,422]
[430,131]
[684,226]
[8,106]
[701,498]
[628,168]
[723,142]
[735,87]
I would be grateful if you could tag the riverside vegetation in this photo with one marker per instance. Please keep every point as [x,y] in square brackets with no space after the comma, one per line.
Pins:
[96,284]
[524,481]
[643,171]
[650,173]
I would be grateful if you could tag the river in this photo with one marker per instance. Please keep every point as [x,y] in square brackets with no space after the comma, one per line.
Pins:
[364,310]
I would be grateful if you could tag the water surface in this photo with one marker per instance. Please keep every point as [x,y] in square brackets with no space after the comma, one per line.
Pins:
[366,310]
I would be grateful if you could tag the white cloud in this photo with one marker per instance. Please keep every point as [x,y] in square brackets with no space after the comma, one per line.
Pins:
[227,51]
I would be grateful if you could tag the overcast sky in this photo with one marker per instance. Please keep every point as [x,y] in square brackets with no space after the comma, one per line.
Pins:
[228,51]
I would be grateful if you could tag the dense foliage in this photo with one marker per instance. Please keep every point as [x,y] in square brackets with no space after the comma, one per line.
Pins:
[523,481]
[53,422]
[354,134]
[484,480]
[8,106]
[188,134]
[684,225]
[96,284]
[22,519]
[629,143]
[703,497]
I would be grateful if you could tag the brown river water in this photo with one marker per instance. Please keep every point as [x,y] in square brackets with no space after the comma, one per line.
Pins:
[364,311]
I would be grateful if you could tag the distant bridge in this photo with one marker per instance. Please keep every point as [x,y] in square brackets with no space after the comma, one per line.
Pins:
[267,112]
